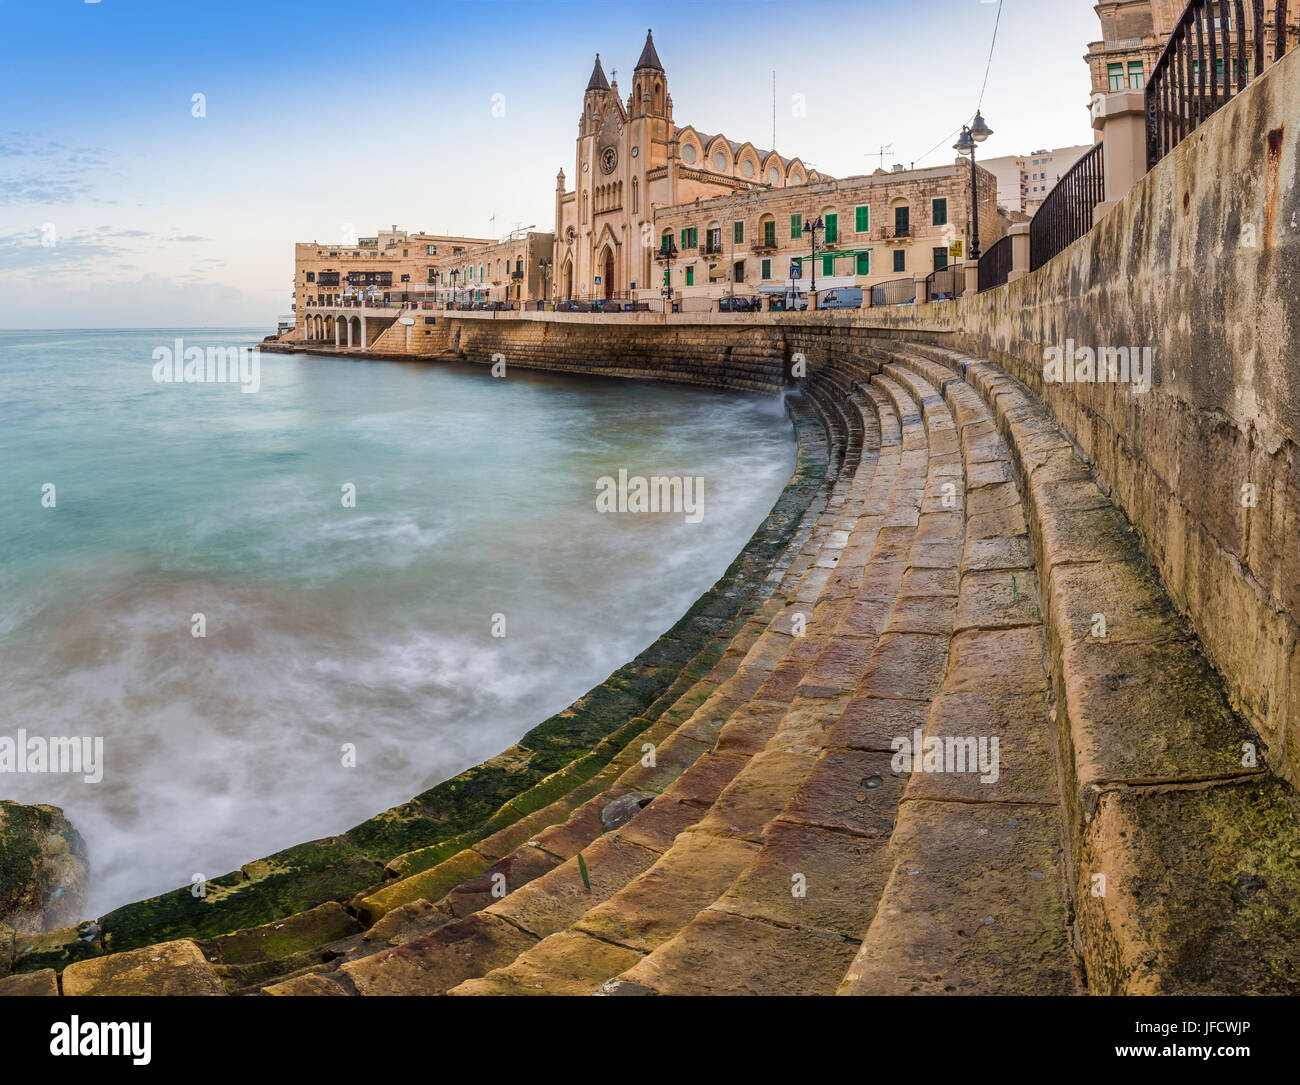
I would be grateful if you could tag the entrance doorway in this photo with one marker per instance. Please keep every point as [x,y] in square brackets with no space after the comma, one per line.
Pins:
[608,278]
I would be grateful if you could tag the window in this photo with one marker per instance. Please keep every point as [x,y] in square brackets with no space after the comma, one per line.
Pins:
[769,234]
[862,219]
[939,211]
[940,257]
[738,233]
[864,263]
[1116,73]
[796,227]
[406,278]
[666,239]
[311,276]
[765,268]
[690,276]
[832,229]
[405,252]
[689,238]
[738,272]
[828,265]
[900,259]
[431,250]
[715,239]
[902,221]
[1136,76]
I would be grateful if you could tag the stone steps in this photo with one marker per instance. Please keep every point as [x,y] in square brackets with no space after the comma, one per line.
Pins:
[1184,862]
[977,899]
[671,911]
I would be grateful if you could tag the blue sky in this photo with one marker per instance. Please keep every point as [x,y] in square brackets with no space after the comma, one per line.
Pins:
[120,208]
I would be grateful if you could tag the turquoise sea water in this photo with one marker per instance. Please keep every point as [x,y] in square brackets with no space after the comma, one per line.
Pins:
[326,625]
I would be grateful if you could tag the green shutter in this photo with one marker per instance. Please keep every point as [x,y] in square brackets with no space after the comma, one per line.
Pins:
[796,226]
[828,265]
[862,219]
[766,269]
[864,263]
[690,276]
[832,229]
[685,235]
[900,260]
[769,234]
[738,233]
[940,212]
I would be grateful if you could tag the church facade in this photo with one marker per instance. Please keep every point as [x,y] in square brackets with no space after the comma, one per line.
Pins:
[633,160]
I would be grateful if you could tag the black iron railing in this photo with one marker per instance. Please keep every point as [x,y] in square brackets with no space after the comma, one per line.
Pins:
[1066,214]
[995,264]
[946,283]
[894,292]
[1216,46]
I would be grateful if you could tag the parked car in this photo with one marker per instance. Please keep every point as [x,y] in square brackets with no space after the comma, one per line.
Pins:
[789,302]
[844,297]
[739,304]
[572,306]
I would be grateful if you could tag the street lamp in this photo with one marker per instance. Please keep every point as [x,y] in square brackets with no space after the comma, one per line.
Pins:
[971,135]
[813,227]
[667,252]
[452,303]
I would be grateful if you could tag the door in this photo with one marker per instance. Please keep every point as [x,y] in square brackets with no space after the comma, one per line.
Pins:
[902,221]
[607,279]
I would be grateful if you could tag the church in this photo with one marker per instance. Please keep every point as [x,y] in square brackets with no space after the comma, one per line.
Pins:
[631,161]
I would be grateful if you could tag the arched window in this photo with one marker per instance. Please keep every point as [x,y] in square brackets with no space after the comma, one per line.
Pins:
[636,196]
[584,207]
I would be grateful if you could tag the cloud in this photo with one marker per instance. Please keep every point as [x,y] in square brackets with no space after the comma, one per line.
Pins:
[40,170]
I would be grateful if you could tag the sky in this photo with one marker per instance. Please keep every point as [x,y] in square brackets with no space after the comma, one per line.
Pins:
[127,201]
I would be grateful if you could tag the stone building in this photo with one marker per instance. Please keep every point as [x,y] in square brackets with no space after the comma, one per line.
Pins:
[389,267]
[887,225]
[1134,34]
[513,270]
[631,157]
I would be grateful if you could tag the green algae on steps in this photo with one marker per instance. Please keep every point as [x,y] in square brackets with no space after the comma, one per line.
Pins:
[551,759]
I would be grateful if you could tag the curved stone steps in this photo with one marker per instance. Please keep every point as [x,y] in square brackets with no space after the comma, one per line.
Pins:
[977,899]
[686,786]
[753,933]
[704,859]
[1184,848]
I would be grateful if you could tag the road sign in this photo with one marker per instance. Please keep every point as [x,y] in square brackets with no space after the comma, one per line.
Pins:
[954,251]
[796,271]
[597,280]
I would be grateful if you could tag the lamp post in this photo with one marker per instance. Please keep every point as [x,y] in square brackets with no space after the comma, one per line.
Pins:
[667,252]
[453,288]
[813,227]
[971,135]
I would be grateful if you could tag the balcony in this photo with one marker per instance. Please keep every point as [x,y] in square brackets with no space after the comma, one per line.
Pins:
[763,245]
[894,233]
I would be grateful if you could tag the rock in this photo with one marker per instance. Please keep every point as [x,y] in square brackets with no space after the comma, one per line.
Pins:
[172,968]
[30,984]
[43,869]
[624,809]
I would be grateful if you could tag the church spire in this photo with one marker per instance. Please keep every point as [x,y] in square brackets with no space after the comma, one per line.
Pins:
[649,58]
[598,80]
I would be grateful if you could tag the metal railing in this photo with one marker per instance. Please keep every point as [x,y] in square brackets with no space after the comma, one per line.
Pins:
[1066,213]
[894,292]
[1215,44]
[946,283]
[995,264]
